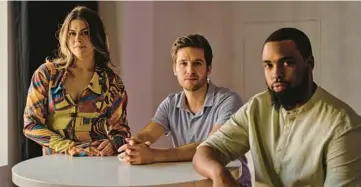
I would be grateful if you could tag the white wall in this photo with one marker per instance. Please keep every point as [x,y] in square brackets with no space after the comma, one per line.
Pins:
[8,129]
[141,34]
[4,84]
[334,30]
[144,31]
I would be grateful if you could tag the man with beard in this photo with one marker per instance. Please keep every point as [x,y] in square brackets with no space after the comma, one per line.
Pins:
[189,116]
[298,133]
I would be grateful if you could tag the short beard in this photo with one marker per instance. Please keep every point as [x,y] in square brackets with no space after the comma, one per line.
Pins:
[291,96]
[198,86]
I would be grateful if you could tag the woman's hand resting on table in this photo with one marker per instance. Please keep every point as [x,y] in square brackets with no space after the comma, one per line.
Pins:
[104,147]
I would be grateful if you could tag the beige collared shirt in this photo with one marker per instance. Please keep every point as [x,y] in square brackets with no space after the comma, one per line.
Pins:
[317,144]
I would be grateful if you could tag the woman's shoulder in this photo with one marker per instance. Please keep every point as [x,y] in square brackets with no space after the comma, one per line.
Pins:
[112,74]
[114,78]
[49,69]
[51,66]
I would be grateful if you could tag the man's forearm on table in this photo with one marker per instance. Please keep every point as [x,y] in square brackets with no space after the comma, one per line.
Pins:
[208,162]
[182,153]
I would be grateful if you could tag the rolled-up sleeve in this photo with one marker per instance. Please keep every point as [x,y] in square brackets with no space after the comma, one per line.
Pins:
[343,157]
[231,140]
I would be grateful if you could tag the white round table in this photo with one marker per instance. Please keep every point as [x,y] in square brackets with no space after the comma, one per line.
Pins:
[65,171]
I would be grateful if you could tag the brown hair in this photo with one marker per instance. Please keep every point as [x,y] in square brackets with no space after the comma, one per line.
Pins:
[96,33]
[193,40]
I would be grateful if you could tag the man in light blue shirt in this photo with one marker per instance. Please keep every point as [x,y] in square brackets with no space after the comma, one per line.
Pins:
[190,115]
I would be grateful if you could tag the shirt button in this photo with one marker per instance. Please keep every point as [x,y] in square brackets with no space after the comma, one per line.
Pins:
[277,169]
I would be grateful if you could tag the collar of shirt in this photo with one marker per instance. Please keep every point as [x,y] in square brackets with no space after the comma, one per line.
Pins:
[95,84]
[209,101]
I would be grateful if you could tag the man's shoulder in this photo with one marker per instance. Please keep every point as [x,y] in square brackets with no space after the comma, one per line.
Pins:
[223,91]
[221,94]
[338,114]
[335,106]
[260,98]
[173,98]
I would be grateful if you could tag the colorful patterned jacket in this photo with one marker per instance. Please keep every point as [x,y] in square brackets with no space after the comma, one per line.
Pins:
[56,122]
